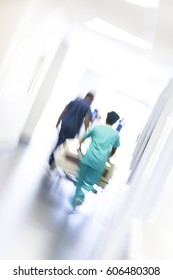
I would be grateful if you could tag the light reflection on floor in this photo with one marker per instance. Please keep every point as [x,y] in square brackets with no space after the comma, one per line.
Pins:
[35,219]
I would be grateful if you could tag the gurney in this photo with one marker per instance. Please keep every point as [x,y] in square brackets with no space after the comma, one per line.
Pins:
[67,158]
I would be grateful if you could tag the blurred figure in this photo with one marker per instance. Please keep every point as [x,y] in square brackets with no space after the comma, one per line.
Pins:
[95,115]
[104,142]
[72,118]
[120,125]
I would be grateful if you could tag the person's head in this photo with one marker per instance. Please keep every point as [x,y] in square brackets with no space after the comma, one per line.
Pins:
[90,96]
[112,117]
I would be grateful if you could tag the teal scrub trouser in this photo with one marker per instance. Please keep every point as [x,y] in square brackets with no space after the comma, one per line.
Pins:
[87,177]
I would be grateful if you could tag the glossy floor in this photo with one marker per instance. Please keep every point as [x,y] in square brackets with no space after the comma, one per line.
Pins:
[35,218]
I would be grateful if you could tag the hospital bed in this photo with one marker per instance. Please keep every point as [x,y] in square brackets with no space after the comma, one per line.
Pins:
[67,159]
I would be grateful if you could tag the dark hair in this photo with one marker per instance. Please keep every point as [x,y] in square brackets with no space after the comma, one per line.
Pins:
[90,95]
[112,117]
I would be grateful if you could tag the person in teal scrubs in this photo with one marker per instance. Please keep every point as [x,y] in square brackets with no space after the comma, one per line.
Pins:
[104,142]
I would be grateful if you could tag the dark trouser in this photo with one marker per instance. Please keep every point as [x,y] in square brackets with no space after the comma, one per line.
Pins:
[63,135]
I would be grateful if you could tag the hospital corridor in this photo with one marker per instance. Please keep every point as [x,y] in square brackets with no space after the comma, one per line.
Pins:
[52,52]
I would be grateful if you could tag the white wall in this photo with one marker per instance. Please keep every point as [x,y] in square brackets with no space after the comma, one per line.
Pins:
[39,32]
[142,226]
[11,13]
[152,183]
[162,43]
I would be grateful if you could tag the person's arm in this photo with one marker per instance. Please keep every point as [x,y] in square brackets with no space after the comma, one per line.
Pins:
[112,153]
[83,138]
[80,143]
[61,116]
[87,122]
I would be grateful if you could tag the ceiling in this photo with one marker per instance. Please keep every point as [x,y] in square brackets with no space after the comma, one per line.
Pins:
[137,20]
[152,24]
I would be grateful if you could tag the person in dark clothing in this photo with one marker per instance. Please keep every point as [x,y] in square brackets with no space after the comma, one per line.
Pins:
[72,118]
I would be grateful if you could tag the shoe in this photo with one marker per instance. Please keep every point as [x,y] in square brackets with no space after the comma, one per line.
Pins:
[94,191]
[91,188]
[70,210]
[52,166]
[52,161]
[78,201]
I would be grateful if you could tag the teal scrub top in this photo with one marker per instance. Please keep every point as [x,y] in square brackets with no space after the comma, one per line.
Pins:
[103,139]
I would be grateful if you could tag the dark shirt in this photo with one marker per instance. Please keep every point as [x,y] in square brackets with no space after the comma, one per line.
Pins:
[74,116]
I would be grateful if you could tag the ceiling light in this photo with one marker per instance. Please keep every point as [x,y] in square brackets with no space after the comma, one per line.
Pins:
[144,3]
[112,31]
